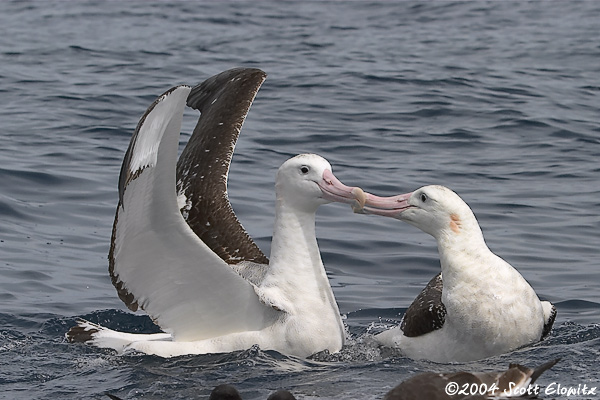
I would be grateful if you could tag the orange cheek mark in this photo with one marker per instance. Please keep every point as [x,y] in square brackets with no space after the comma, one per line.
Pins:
[455,223]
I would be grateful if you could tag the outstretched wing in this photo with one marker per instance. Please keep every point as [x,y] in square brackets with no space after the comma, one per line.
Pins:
[156,261]
[427,312]
[203,167]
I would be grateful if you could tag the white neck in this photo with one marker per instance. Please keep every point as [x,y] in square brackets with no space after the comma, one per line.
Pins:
[295,261]
[463,251]
[468,238]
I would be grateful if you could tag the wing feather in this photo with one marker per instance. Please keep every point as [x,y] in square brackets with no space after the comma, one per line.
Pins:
[427,312]
[203,167]
[156,261]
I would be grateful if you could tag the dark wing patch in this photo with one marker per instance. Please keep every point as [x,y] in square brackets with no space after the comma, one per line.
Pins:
[202,169]
[548,324]
[427,312]
[126,297]
[80,334]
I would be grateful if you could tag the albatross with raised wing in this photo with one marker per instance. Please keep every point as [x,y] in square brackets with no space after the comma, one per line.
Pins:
[179,253]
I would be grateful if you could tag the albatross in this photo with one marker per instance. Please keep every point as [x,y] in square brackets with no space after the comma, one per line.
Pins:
[179,253]
[479,305]
[518,381]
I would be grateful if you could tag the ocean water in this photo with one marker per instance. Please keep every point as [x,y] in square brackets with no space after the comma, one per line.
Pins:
[500,101]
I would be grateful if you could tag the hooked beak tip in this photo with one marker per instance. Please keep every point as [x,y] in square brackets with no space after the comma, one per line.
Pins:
[392,206]
[360,198]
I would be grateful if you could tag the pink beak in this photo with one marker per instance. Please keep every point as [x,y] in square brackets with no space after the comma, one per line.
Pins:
[391,206]
[334,190]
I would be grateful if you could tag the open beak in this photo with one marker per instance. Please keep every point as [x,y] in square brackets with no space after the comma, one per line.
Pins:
[334,190]
[391,206]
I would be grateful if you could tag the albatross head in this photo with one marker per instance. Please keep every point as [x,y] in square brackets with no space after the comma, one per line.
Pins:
[306,182]
[434,209]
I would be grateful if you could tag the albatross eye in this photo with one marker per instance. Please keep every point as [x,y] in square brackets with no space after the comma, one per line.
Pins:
[304,169]
[423,197]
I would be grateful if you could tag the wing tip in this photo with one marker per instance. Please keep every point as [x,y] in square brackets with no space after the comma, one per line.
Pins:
[83,332]
[126,175]
[199,95]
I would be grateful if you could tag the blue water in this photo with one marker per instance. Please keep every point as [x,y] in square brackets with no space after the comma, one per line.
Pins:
[498,100]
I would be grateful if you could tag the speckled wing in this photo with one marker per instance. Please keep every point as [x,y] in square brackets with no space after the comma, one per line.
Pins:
[156,261]
[427,312]
[203,167]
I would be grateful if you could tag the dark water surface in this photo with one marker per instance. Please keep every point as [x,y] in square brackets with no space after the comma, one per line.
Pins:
[498,100]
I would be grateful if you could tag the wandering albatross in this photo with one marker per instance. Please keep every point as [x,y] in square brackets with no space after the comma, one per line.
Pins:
[179,253]
[479,305]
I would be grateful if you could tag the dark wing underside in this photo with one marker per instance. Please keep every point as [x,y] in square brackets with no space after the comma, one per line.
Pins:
[202,168]
[427,312]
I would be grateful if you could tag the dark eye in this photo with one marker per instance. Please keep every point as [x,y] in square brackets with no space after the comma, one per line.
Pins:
[423,197]
[304,169]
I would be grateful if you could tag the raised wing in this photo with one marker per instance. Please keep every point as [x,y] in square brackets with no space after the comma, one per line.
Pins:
[156,261]
[203,167]
[427,312]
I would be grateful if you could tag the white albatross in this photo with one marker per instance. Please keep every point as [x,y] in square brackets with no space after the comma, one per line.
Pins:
[479,306]
[179,253]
